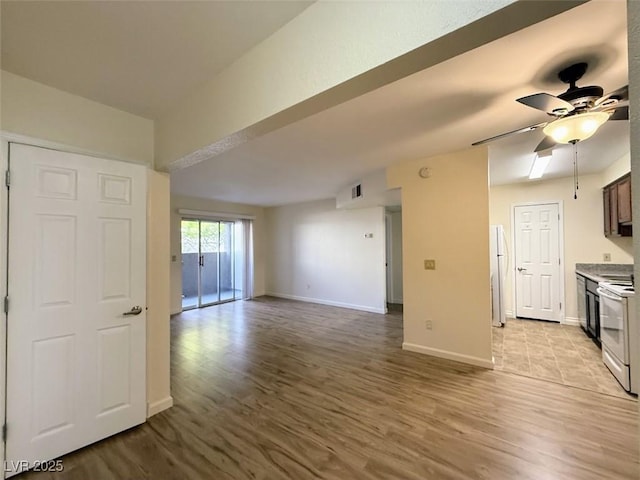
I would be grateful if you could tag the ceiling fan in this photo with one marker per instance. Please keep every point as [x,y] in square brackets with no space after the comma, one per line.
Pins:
[577,113]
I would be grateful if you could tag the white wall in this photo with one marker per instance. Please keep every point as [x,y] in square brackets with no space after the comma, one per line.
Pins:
[320,254]
[374,192]
[191,203]
[39,111]
[446,218]
[584,240]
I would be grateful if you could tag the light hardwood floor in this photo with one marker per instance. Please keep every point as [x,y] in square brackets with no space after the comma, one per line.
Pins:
[276,389]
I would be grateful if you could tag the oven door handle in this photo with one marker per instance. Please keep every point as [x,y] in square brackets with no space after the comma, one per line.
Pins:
[603,293]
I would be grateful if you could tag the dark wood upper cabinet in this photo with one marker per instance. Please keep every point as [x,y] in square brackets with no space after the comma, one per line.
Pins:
[617,208]
[613,210]
[606,195]
[624,201]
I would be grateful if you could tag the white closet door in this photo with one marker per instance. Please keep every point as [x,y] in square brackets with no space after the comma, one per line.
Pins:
[537,255]
[75,359]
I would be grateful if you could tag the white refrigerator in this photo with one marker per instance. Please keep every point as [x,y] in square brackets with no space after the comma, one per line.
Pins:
[499,261]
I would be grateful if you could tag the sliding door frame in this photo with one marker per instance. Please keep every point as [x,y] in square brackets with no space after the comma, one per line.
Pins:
[231,223]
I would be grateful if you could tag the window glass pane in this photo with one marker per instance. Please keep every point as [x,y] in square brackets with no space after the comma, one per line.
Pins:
[209,237]
[189,235]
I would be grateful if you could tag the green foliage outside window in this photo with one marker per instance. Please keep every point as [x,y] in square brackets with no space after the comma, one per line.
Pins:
[213,234]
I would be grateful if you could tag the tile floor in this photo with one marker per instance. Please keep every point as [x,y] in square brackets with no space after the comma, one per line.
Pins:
[550,351]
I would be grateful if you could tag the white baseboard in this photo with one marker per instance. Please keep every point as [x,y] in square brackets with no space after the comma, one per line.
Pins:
[158,406]
[457,357]
[571,321]
[331,303]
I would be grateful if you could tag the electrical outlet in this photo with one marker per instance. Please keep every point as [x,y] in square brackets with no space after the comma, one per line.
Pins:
[606,257]
[428,324]
[429,264]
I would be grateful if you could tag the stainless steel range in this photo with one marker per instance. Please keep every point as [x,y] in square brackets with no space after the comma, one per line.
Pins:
[619,332]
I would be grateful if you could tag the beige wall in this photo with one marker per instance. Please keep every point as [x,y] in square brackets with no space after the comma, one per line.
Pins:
[158,333]
[36,110]
[617,169]
[446,218]
[190,203]
[584,240]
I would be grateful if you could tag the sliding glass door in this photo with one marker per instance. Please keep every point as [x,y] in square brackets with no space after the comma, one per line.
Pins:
[209,251]
[190,231]
[208,258]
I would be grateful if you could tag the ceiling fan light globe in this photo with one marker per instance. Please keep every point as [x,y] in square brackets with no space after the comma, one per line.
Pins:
[589,126]
[575,128]
[559,134]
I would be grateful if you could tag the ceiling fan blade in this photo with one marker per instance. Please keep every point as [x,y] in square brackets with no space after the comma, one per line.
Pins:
[620,113]
[512,132]
[547,103]
[545,144]
[616,96]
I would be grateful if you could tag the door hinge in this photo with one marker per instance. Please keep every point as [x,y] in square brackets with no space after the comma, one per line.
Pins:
[6,304]
[7,178]
[560,305]
[4,433]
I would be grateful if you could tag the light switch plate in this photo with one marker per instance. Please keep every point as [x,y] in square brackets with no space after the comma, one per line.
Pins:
[429,264]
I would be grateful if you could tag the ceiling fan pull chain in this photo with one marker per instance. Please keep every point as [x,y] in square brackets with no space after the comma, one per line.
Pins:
[575,170]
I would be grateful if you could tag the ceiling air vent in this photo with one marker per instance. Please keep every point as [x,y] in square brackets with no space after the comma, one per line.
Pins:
[356,191]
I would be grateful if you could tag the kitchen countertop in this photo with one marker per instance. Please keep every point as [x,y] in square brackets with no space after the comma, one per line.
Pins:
[594,271]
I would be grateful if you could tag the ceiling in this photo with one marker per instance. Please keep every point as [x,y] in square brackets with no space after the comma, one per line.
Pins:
[137,56]
[442,109]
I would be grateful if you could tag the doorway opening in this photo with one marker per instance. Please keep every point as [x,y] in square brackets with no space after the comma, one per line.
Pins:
[393,253]
[214,263]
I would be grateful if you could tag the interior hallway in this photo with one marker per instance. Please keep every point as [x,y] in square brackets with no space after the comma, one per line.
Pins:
[278,389]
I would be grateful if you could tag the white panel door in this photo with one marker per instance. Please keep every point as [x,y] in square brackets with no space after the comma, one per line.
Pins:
[537,254]
[75,359]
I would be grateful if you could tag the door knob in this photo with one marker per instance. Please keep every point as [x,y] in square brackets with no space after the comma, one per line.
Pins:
[137,310]
[520,269]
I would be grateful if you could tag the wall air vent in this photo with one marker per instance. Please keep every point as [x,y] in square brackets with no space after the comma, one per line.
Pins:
[356,191]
